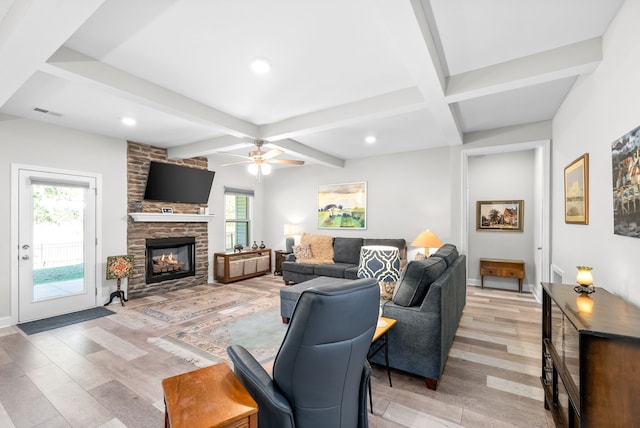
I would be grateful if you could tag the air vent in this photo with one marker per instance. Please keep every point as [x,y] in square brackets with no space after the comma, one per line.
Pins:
[45,111]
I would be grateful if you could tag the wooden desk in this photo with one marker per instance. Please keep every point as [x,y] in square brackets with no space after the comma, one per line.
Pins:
[502,268]
[211,397]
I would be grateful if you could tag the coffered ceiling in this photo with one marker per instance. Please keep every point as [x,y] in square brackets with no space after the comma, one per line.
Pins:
[414,74]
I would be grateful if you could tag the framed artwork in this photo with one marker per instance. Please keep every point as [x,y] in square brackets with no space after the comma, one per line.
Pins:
[342,206]
[576,191]
[625,159]
[500,216]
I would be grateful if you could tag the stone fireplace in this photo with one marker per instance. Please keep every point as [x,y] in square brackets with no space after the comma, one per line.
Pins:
[146,223]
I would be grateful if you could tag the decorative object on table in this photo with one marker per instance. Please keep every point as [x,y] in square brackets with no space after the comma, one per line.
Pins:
[262,246]
[625,159]
[576,191]
[238,248]
[290,230]
[381,262]
[584,278]
[427,240]
[254,246]
[342,206]
[500,216]
[119,267]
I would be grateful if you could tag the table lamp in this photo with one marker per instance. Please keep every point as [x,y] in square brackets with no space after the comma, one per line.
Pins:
[119,267]
[427,240]
[381,262]
[290,230]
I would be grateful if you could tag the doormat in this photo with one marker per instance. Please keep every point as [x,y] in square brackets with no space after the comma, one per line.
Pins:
[38,326]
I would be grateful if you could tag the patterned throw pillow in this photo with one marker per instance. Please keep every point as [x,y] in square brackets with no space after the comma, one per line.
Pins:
[302,252]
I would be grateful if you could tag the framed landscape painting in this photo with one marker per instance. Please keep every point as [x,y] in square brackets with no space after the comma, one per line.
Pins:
[342,206]
[500,216]
[576,191]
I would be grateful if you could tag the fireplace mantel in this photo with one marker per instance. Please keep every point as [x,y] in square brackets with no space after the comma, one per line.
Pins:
[164,218]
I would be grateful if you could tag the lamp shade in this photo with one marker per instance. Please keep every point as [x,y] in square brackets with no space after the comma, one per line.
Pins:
[380,262]
[291,229]
[119,266]
[427,239]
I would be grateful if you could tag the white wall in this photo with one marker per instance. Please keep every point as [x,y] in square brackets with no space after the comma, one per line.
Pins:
[406,193]
[39,144]
[600,108]
[502,176]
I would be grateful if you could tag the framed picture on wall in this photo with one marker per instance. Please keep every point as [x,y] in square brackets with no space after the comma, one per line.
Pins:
[576,191]
[625,165]
[500,216]
[342,206]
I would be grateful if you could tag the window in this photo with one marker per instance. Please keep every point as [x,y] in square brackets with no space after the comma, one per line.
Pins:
[237,208]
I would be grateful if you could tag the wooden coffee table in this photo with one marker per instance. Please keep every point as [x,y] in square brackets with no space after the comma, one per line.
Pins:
[211,397]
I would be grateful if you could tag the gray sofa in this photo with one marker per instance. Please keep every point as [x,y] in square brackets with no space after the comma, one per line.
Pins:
[346,256]
[427,304]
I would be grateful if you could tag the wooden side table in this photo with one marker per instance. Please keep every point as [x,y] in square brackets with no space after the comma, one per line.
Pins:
[383,327]
[502,268]
[210,397]
[280,257]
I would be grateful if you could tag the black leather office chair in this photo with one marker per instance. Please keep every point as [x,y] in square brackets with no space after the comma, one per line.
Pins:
[320,374]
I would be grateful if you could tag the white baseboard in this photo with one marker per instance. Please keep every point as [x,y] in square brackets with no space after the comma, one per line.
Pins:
[5,322]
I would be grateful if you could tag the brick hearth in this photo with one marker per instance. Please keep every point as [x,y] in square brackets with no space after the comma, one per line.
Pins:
[138,158]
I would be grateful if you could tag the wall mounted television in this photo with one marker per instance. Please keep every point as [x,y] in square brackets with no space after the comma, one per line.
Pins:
[176,183]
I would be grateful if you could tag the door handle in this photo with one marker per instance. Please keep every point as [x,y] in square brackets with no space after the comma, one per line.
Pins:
[25,247]
[25,257]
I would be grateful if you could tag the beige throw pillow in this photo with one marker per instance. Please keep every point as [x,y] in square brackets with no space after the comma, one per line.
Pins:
[321,248]
[302,252]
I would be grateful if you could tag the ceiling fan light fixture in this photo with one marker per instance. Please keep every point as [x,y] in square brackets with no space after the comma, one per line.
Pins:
[260,66]
[253,169]
[265,168]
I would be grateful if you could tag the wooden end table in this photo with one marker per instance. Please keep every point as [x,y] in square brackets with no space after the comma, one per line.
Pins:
[211,397]
[281,255]
[384,325]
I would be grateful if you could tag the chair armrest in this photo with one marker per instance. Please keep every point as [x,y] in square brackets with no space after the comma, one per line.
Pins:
[273,408]
[290,258]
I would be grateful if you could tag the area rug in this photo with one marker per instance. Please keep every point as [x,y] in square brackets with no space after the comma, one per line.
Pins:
[206,343]
[38,326]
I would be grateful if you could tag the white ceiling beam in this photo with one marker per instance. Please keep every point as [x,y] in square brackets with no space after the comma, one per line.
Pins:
[71,65]
[307,153]
[408,26]
[31,31]
[554,64]
[226,143]
[401,101]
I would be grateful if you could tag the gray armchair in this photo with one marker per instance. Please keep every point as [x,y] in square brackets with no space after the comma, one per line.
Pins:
[320,374]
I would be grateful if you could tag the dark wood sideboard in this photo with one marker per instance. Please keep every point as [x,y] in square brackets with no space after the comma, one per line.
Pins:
[590,360]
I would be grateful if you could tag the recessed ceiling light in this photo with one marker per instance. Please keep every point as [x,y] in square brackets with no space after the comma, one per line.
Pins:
[260,66]
[129,121]
[370,139]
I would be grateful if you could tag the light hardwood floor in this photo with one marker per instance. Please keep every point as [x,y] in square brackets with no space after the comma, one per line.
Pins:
[101,373]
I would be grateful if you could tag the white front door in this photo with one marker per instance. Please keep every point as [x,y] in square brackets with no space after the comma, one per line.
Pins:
[56,243]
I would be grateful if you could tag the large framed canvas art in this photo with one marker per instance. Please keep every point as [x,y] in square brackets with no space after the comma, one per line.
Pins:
[342,206]
[625,157]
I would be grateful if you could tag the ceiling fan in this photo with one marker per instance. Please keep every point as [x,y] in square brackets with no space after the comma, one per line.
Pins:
[259,161]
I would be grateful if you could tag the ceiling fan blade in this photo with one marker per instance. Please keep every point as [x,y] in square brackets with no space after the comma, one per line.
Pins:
[236,163]
[235,154]
[287,161]
[272,153]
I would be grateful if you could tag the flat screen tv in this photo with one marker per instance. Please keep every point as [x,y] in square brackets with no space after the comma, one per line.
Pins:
[175,183]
